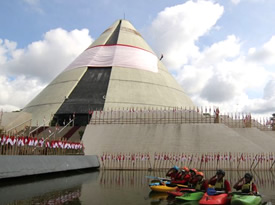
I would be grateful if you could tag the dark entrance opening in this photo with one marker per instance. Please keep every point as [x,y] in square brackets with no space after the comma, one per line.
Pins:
[89,94]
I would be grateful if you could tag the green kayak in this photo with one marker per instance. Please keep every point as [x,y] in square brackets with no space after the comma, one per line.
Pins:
[245,199]
[191,196]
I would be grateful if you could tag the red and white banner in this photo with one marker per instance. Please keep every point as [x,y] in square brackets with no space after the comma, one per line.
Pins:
[116,55]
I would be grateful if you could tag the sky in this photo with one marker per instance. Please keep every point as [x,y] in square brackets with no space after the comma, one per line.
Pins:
[222,52]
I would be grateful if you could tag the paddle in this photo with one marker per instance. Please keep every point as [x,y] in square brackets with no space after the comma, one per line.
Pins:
[182,186]
[158,178]
[157,181]
[212,191]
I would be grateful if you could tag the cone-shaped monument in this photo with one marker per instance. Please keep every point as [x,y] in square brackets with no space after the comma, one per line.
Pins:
[117,70]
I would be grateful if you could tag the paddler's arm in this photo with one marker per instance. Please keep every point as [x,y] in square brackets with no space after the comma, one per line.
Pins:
[227,186]
[254,189]
[236,186]
[212,180]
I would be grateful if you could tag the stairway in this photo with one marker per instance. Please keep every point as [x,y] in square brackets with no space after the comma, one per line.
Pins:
[71,132]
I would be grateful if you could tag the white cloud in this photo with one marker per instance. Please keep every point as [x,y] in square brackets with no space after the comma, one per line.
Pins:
[219,51]
[222,74]
[264,55]
[176,29]
[15,93]
[269,90]
[24,72]
[265,104]
[44,59]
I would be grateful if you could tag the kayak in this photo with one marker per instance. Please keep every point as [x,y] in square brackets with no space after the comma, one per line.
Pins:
[221,199]
[163,188]
[191,196]
[245,199]
[180,191]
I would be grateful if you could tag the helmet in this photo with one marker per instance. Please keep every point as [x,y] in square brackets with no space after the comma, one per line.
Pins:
[176,168]
[248,175]
[194,170]
[186,169]
[220,171]
[200,174]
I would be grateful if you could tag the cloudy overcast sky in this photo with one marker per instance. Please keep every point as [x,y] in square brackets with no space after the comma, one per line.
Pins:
[222,52]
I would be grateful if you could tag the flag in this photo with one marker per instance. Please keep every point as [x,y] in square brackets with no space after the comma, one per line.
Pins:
[161,57]
[133,157]
[206,158]
[155,156]
[56,127]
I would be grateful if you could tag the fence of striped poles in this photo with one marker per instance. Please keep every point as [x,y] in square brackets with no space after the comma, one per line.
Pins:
[26,145]
[203,161]
[179,115]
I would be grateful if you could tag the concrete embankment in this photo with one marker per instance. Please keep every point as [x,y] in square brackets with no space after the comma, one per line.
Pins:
[19,166]
[177,138]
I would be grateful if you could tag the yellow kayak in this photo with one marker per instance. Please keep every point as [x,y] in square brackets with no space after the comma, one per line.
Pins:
[163,188]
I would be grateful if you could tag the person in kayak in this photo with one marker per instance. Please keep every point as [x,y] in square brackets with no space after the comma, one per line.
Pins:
[246,185]
[202,183]
[193,179]
[173,173]
[219,183]
[183,178]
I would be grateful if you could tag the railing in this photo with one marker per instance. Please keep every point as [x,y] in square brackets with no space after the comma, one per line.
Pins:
[178,116]
[149,117]
[202,161]
[39,127]
[23,126]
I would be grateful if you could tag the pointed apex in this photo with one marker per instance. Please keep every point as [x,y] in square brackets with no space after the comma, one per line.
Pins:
[122,32]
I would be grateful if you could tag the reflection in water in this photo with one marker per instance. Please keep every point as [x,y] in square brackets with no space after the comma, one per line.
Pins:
[58,197]
[157,197]
[52,189]
[109,187]
[111,178]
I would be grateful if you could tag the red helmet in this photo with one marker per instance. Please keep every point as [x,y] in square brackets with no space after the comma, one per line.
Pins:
[186,169]
[194,170]
[200,174]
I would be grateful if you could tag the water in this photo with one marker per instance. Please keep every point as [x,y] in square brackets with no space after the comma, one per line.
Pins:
[106,187]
